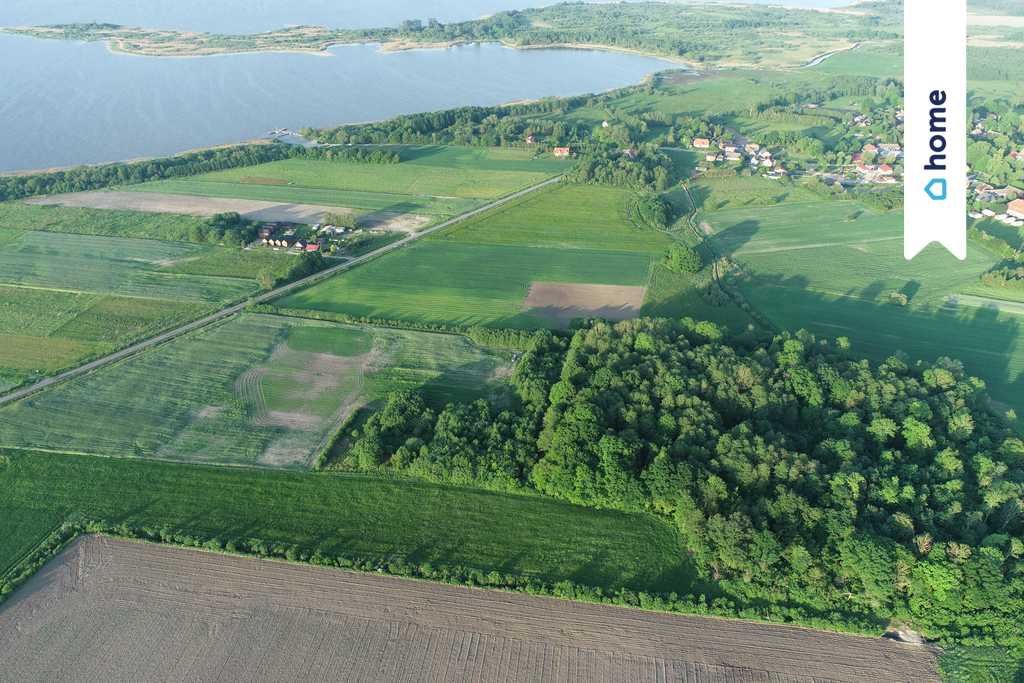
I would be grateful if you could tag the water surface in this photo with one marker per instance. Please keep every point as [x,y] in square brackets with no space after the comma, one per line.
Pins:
[68,103]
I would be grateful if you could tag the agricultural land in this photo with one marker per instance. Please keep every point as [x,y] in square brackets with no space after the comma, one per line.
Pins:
[76,284]
[567,252]
[434,182]
[283,620]
[259,389]
[694,375]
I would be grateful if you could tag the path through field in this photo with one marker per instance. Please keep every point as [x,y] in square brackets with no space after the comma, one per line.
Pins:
[109,609]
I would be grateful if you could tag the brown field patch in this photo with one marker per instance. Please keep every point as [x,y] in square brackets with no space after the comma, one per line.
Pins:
[109,609]
[562,302]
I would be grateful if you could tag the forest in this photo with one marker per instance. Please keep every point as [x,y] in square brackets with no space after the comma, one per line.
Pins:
[809,484]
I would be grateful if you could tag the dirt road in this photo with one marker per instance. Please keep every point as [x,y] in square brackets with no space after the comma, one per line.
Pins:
[119,610]
[262,298]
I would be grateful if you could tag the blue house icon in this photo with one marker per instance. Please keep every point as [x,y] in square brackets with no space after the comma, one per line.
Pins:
[937,189]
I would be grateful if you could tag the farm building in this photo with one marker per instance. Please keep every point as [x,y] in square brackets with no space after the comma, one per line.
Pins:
[1016,209]
[561,152]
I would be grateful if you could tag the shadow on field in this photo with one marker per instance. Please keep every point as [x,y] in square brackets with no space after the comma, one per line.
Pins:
[985,341]
[734,238]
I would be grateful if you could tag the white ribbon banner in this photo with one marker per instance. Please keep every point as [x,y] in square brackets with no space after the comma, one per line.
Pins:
[935,126]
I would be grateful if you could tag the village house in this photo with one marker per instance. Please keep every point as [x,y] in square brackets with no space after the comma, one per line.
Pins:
[870,149]
[605,124]
[890,149]
[530,139]
[702,143]
[752,148]
[729,148]
[885,169]
[988,213]
[733,156]
[561,152]
[312,246]
[710,157]
[1016,209]
[631,153]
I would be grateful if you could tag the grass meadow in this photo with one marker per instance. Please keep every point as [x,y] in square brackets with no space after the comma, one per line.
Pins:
[257,390]
[433,180]
[831,266]
[479,273]
[349,515]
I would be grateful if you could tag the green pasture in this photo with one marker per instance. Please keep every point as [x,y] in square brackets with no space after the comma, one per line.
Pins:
[442,281]
[564,217]
[883,60]
[349,515]
[741,192]
[832,266]
[239,392]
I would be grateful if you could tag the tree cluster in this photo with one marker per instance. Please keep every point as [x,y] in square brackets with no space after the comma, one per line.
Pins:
[802,478]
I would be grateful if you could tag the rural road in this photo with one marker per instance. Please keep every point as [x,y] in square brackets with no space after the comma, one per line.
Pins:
[262,298]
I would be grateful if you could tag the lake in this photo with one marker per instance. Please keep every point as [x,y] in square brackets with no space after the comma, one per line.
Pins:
[70,103]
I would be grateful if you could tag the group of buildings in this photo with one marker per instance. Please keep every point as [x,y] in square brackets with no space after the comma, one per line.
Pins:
[738,152]
[283,236]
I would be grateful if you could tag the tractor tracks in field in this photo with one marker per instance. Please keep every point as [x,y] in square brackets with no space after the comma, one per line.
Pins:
[234,309]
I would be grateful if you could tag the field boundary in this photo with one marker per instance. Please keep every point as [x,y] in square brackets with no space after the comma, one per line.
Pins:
[223,313]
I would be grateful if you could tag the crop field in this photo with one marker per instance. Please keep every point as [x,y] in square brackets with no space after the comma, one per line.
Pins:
[21,529]
[432,180]
[832,267]
[111,265]
[68,297]
[358,517]
[257,389]
[481,272]
[88,221]
[337,625]
[563,217]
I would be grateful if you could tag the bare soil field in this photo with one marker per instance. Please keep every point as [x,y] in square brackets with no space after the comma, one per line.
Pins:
[563,302]
[155,202]
[109,609]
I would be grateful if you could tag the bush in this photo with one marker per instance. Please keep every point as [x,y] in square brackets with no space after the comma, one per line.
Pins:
[683,259]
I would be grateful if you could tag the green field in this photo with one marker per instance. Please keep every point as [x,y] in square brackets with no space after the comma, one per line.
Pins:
[21,528]
[74,220]
[65,298]
[257,389]
[480,272]
[563,217]
[830,267]
[434,180]
[351,516]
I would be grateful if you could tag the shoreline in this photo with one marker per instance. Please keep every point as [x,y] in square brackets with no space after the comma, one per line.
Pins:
[117,45]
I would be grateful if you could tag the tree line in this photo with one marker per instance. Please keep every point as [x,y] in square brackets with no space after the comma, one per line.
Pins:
[83,178]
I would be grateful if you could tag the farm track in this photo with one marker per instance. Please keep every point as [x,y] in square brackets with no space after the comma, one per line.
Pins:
[177,614]
[716,265]
[262,298]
